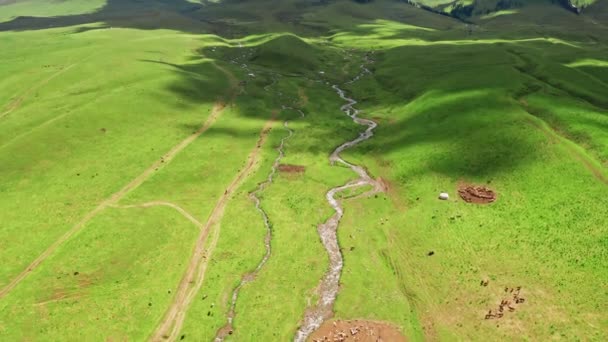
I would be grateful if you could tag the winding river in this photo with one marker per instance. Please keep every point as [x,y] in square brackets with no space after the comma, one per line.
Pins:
[329,285]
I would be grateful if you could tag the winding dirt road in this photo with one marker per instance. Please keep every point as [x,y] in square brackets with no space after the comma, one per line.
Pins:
[192,280]
[329,285]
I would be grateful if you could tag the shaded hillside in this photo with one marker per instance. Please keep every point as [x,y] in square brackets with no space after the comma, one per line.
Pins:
[467,8]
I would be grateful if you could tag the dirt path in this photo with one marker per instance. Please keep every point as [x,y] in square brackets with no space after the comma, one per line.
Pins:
[171,324]
[136,182]
[162,203]
[329,285]
[48,122]
[115,198]
[14,104]
[570,146]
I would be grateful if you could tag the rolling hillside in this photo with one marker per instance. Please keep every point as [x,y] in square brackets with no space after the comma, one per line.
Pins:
[271,170]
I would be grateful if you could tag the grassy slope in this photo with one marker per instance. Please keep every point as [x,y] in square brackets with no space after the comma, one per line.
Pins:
[545,233]
[117,275]
[376,275]
[65,163]
[451,107]
[42,8]
[295,204]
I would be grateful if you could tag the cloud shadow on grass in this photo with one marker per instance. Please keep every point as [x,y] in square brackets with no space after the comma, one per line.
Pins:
[140,14]
[464,116]
[465,108]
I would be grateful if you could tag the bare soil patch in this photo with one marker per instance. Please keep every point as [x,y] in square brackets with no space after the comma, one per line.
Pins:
[289,168]
[357,330]
[385,184]
[225,331]
[478,194]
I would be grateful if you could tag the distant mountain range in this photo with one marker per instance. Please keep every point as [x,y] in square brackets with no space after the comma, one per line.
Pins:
[467,8]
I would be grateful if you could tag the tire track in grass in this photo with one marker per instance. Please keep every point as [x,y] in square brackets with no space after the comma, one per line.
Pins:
[132,185]
[162,204]
[192,280]
[49,122]
[573,149]
[115,198]
[14,104]
[227,329]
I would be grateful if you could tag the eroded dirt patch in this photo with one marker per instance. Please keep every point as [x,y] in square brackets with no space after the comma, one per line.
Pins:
[384,183]
[289,168]
[357,330]
[478,194]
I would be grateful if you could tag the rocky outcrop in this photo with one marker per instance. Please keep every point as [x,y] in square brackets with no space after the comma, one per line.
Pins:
[576,6]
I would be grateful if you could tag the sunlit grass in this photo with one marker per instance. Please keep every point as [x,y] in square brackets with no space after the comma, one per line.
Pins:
[588,63]
[509,107]
[499,14]
[42,8]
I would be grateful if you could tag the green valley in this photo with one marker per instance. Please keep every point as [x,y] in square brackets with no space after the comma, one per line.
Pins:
[307,170]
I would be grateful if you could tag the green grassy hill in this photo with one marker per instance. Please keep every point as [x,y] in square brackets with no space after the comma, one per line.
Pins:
[132,134]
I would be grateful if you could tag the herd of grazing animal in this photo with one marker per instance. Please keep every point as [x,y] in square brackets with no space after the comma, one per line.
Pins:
[505,304]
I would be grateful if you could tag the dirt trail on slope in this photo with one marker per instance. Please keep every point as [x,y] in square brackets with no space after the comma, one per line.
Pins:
[164,204]
[115,198]
[193,278]
[330,284]
[14,104]
[568,145]
[136,182]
